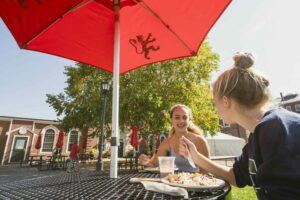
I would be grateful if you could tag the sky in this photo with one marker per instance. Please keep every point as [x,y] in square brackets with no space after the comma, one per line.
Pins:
[267,28]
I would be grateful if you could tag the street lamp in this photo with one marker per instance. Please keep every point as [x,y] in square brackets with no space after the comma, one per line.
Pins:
[105,89]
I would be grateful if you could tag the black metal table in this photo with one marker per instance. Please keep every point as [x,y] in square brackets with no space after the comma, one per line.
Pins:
[92,185]
[57,162]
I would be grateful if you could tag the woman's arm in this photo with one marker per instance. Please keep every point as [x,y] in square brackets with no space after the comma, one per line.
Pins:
[220,171]
[203,148]
[153,162]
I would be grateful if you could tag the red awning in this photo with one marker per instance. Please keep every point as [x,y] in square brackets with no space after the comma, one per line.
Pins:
[60,139]
[134,140]
[38,142]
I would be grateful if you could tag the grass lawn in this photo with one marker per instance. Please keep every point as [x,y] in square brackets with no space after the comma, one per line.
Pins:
[246,193]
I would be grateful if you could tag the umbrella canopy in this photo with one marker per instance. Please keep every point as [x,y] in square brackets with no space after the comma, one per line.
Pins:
[38,142]
[60,139]
[113,35]
[134,140]
[83,30]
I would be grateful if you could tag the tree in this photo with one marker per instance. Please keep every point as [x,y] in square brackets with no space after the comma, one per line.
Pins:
[149,92]
[80,104]
[146,94]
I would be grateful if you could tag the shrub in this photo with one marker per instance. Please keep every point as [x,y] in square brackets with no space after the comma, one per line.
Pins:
[93,153]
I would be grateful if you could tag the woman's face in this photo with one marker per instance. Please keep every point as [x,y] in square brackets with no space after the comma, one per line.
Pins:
[180,119]
[222,108]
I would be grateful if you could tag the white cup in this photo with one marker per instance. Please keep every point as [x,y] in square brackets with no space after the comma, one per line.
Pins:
[166,165]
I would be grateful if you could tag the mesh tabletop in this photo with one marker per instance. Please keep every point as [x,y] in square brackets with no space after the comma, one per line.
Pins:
[92,185]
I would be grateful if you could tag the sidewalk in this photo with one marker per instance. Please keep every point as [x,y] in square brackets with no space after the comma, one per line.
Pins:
[12,173]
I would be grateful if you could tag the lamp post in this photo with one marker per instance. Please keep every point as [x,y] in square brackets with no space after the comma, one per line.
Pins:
[105,89]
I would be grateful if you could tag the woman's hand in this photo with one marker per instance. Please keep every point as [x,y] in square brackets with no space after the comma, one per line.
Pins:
[186,147]
[145,160]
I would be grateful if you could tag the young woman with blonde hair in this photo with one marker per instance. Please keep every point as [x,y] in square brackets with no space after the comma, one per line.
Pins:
[182,125]
[270,161]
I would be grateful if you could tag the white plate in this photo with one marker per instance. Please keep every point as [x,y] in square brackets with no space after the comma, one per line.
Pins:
[219,184]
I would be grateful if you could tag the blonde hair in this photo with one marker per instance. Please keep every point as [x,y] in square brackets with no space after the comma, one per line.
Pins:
[242,83]
[192,127]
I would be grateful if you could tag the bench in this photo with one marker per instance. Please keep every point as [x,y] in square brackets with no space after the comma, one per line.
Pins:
[32,161]
[57,162]
[84,157]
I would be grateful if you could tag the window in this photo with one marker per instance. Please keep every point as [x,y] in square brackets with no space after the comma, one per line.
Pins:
[162,137]
[73,137]
[297,107]
[224,124]
[288,108]
[48,140]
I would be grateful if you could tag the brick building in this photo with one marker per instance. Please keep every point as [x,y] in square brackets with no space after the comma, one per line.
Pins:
[234,130]
[290,102]
[18,137]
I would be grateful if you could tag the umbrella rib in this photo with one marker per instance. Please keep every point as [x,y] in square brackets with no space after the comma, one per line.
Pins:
[144,5]
[80,4]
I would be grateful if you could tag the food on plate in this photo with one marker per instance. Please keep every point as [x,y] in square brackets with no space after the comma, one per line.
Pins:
[192,179]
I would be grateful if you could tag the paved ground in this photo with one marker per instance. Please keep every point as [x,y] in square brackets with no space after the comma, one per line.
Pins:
[11,173]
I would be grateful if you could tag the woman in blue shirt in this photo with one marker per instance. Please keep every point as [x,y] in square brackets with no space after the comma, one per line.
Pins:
[182,125]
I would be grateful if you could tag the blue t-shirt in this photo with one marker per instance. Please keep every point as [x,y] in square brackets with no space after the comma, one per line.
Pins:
[181,163]
[270,161]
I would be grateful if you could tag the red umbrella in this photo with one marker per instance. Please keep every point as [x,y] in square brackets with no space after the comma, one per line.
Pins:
[38,142]
[60,139]
[83,30]
[134,140]
[114,35]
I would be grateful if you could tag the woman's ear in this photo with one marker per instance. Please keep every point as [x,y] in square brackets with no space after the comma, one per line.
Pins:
[226,101]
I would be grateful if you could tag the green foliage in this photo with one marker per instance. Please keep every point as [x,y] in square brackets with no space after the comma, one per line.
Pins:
[150,91]
[246,193]
[93,153]
[146,95]
[80,104]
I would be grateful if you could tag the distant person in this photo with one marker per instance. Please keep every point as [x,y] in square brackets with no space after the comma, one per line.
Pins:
[182,125]
[73,164]
[56,158]
[56,152]
[270,161]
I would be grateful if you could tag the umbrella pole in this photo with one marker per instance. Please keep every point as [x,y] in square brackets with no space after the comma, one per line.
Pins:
[115,106]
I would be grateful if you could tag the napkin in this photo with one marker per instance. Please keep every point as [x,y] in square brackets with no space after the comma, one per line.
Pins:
[140,179]
[166,189]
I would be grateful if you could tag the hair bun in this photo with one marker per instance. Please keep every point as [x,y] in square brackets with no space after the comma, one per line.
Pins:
[243,60]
